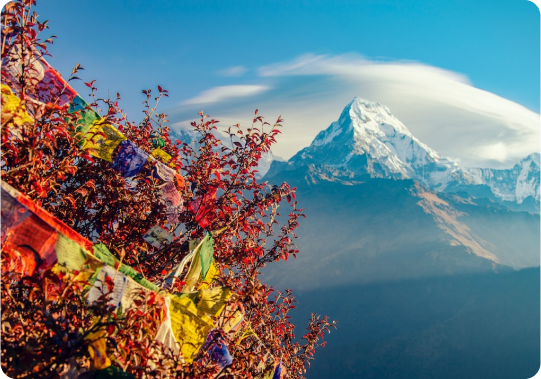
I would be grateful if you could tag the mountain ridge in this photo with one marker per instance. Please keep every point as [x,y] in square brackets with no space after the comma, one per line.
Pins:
[368,141]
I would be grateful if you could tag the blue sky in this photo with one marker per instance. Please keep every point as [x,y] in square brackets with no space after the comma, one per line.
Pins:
[307,59]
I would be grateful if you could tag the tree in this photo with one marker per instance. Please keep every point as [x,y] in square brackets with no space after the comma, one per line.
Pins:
[53,152]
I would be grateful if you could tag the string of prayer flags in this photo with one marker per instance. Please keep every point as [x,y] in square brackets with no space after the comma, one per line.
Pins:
[172,200]
[206,255]
[158,236]
[102,140]
[213,301]
[12,108]
[161,155]
[130,159]
[204,208]
[189,327]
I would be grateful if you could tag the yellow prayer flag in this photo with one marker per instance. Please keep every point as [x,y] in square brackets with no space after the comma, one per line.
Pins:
[213,300]
[212,273]
[103,139]
[11,105]
[98,347]
[161,155]
[233,321]
[194,272]
[190,327]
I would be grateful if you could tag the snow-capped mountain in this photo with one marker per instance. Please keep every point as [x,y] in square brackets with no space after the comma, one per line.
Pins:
[368,140]
[515,184]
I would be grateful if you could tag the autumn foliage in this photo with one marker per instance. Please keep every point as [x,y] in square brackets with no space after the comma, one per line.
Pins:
[47,323]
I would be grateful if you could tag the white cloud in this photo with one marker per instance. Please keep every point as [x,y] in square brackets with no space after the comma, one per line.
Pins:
[440,107]
[233,71]
[223,93]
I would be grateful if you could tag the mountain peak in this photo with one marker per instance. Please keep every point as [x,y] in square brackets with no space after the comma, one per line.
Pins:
[369,140]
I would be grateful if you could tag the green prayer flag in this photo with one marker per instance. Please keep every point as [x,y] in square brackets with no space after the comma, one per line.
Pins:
[207,254]
[103,254]
[85,123]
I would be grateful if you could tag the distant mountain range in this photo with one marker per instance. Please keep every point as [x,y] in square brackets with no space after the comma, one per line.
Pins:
[367,141]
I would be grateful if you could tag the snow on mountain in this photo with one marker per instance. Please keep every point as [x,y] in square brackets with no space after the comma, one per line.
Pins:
[369,140]
[515,184]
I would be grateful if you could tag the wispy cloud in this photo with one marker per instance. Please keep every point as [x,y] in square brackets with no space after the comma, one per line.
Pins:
[442,108]
[224,93]
[233,71]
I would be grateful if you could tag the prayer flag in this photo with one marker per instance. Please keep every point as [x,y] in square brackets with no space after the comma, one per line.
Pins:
[33,243]
[130,159]
[172,200]
[50,86]
[13,213]
[248,331]
[219,353]
[166,173]
[53,88]
[212,273]
[69,254]
[213,301]
[232,321]
[194,272]
[11,105]
[89,116]
[279,371]
[165,333]
[101,288]
[98,347]
[102,140]
[161,155]
[189,326]
[206,255]
[158,236]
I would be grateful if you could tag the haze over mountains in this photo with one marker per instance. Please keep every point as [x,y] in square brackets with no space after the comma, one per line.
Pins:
[432,270]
